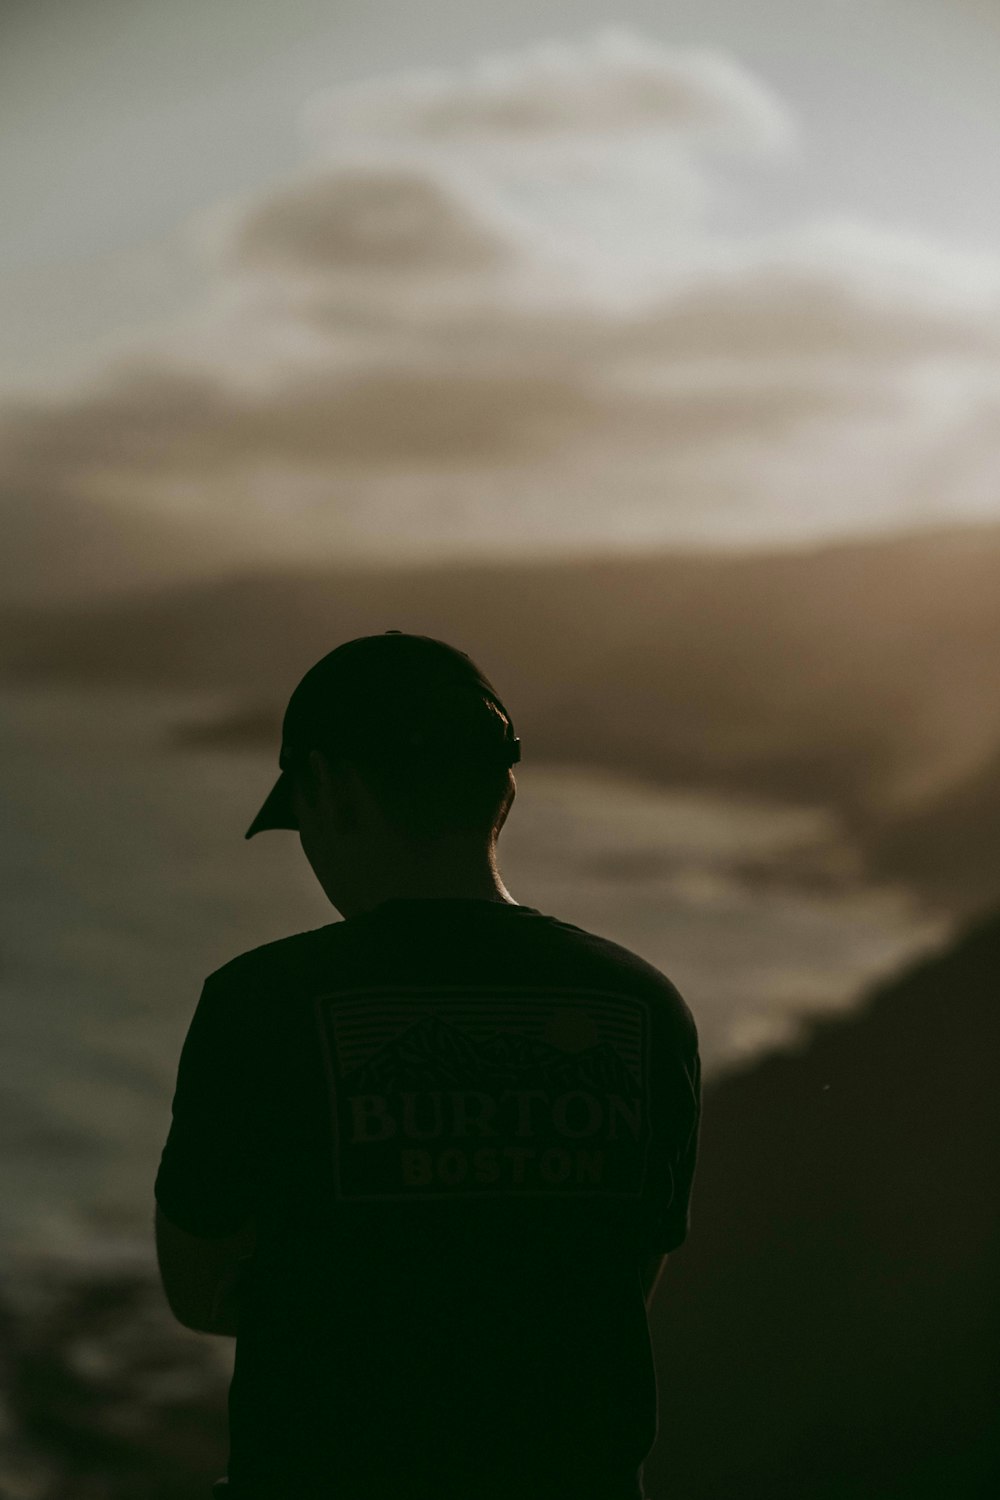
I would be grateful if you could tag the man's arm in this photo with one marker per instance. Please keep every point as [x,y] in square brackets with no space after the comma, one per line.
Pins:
[205,1187]
[200,1276]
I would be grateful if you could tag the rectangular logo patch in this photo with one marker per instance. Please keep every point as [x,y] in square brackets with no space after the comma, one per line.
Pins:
[444,1092]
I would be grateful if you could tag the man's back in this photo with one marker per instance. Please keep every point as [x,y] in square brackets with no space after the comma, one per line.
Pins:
[462,1128]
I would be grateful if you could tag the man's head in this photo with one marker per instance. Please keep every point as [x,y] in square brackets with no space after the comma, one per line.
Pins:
[363,852]
[396,771]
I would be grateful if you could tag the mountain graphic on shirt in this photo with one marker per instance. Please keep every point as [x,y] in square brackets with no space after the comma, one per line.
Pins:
[433,1053]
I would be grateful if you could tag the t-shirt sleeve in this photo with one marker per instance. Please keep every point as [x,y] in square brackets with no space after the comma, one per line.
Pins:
[208,1172]
[678,1123]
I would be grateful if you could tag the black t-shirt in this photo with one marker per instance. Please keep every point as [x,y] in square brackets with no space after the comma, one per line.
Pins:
[461,1127]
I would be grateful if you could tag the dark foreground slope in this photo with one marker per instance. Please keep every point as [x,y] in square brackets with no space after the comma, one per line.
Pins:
[829,1331]
[832,1326]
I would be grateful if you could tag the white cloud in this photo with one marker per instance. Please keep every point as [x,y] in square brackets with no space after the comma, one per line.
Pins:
[387,220]
[602,147]
[612,84]
[403,354]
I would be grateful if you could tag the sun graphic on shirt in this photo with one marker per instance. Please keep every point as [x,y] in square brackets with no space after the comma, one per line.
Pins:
[571,1030]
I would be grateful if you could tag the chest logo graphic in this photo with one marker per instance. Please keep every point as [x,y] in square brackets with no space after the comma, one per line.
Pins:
[441,1092]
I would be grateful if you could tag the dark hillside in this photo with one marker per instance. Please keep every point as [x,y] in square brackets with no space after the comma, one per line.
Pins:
[831,1329]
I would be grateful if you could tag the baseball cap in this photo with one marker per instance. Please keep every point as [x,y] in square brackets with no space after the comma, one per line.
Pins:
[385,697]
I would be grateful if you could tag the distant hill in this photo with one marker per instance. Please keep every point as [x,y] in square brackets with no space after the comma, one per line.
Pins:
[860,675]
[949,844]
[831,1328]
[58,548]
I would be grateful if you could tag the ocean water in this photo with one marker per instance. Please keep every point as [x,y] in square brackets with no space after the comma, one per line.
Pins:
[126,879]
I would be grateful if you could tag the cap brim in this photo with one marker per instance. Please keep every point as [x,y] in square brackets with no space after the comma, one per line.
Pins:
[277,810]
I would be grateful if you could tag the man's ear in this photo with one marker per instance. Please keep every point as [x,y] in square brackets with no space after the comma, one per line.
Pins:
[314,774]
[328,788]
[512,793]
[317,779]
[304,784]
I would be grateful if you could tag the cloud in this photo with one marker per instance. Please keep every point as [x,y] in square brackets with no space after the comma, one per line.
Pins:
[614,83]
[842,290]
[745,404]
[151,418]
[58,548]
[407,354]
[596,147]
[358,218]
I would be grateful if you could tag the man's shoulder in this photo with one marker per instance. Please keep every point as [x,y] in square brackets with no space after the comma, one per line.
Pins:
[279,956]
[621,965]
[610,965]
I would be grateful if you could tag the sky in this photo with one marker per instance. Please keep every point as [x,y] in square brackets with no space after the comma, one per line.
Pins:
[376,281]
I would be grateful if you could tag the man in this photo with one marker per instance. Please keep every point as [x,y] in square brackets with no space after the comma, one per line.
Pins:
[426,1163]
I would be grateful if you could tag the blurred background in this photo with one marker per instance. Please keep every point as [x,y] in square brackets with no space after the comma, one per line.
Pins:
[652,357]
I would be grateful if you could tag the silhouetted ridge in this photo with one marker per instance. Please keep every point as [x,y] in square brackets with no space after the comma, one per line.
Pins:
[831,1327]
